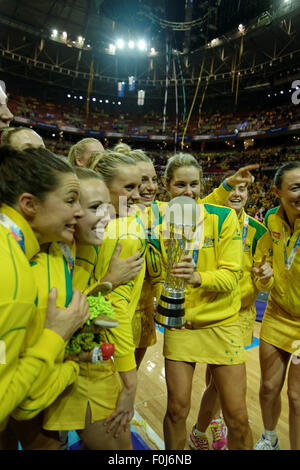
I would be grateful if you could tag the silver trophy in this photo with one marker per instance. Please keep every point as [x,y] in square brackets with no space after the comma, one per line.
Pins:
[181,217]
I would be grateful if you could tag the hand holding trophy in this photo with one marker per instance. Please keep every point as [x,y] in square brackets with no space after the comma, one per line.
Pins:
[181,218]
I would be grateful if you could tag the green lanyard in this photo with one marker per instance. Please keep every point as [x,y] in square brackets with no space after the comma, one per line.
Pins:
[288,261]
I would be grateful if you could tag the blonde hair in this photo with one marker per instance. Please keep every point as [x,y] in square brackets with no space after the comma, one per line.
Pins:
[87,174]
[10,131]
[107,163]
[138,155]
[122,148]
[78,149]
[178,161]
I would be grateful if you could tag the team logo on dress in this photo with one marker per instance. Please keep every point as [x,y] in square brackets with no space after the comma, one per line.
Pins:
[208,242]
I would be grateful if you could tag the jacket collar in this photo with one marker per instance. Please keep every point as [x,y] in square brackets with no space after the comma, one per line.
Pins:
[32,246]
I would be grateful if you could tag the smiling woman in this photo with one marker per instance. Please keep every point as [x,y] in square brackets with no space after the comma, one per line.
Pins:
[39,197]
[281,322]
[183,176]
[122,177]
[102,399]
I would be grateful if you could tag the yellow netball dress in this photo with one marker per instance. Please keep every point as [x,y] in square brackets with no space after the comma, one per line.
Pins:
[99,385]
[52,268]
[212,308]
[281,321]
[20,367]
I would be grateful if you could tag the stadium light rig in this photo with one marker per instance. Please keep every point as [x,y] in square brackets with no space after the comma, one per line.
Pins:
[122,46]
[63,38]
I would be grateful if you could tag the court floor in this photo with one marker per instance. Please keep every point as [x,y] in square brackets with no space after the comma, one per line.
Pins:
[151,399]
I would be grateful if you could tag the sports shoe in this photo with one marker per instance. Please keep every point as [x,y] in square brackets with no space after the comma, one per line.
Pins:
[266,444]
[196,441]
[219,432]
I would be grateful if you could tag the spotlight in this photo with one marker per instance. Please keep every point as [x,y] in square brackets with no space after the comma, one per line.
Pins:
[81,97]
[241,28]
[68,95]
[106,101]
[93,99]
[142,45]
[64,36]
[54,33]
[131,44]
[153,52]
[120,43]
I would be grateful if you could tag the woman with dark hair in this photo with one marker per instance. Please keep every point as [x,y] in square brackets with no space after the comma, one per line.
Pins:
[280,331]
[38,205]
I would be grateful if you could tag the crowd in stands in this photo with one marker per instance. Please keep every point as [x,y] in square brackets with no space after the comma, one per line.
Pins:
[214,164]
[75,115]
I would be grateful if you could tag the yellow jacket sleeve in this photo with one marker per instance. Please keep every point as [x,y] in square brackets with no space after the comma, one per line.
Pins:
[264,247]
[219,195]
[47,391]
[125,297]
[226,276]
[19,373]
[20,365]
[50,269]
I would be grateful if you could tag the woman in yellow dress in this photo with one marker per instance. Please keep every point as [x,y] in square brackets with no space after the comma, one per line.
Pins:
[255,252]
[100,404]
[143,320]
[39,204]
[280,331]
[212,303]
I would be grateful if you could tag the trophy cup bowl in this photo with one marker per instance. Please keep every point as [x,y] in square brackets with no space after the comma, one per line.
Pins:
[181,217]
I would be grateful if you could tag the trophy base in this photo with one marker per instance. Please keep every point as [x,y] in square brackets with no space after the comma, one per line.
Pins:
[170,309]
[170,322]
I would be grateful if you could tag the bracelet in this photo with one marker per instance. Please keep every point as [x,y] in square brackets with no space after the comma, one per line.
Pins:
[97,355]
[105,287]
[227,186]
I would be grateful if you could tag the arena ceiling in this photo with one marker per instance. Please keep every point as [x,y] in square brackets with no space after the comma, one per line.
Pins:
[196,43]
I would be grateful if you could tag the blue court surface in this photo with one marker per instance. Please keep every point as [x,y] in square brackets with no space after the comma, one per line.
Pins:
[137,441]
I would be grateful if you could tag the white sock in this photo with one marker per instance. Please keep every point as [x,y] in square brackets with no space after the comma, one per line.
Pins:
[271,436]
[216,420]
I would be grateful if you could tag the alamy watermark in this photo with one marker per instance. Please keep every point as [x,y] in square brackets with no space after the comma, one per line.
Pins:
[296,94]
